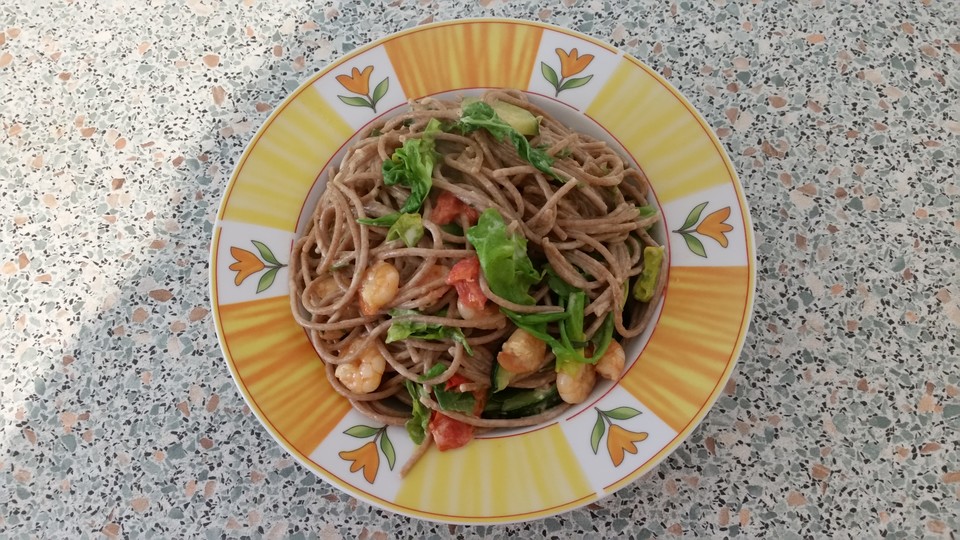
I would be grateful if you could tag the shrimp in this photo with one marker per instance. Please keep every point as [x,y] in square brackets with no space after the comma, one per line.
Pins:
[364,373]
[610,365]
[380,285]
[469,313]
[575,382]
[522,353]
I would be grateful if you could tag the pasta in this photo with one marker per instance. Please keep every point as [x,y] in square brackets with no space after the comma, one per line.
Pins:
[467,251]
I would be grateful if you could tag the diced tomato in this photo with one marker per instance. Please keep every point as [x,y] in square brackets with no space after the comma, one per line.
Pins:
[465,276]
[455,381]
[466,270]
[449,433]
[448,207]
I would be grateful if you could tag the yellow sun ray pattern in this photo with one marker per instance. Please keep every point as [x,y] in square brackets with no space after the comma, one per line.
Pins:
[678,154]
[497,477]
[280,370]
[466,55]
[279,169]
[690,350]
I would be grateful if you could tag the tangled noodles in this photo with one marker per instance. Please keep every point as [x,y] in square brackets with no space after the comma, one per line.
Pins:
[473,264]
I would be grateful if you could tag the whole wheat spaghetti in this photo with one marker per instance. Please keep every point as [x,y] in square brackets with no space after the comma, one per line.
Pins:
[580,210]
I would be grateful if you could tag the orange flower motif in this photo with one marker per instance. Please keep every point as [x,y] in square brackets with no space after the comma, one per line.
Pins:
[366,457]
[357,82]
[247,264]
[714,226]
[621,440]
[572,63]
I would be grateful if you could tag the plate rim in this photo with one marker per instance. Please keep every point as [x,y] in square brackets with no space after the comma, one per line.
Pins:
[630,477]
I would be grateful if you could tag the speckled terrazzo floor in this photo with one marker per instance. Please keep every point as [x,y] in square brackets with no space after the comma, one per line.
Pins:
[121,122]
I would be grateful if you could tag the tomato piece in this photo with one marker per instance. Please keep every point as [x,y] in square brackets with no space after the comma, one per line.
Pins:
[455,381]
[449,433]
[466,270]
[472,215]
[448,207]
[471,294]
[465,276]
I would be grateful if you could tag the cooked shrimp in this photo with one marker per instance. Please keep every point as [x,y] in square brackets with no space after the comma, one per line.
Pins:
[610,365]
[380,285]
[364,373]
[469,313]
[522,353]
[575,382]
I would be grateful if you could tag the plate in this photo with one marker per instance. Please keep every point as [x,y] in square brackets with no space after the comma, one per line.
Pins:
[675,371]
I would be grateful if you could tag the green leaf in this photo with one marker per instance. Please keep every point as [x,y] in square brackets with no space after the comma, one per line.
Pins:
[601,340]
[647,211]
[622,413]
[478,115]
[537,318]
[382,221]
[646,283]
[695,245]
[408,227]
[452,228]
[598,428]
[575,83]
[557,284]
[401,329]
[503,258]
[693,216]
[420,415]
[575,306]
[434,371]
[388,451]
[266,280]
[355,101]
[378,93]
[265,253]
[411,166]
[361,431]
[550,75]
[453,400]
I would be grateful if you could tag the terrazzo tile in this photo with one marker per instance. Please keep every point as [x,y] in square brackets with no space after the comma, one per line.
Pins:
[120,123]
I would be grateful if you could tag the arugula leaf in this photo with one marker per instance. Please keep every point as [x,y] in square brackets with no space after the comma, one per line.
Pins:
[503,258]
[410,166]
[453,400]
[420,416]
[408,227]
[477,115]
[601,340]
[576,303]
[382,221]
[452,228]
[557,284]
[536,318]
[647,282]
[434,371]
[400,330]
